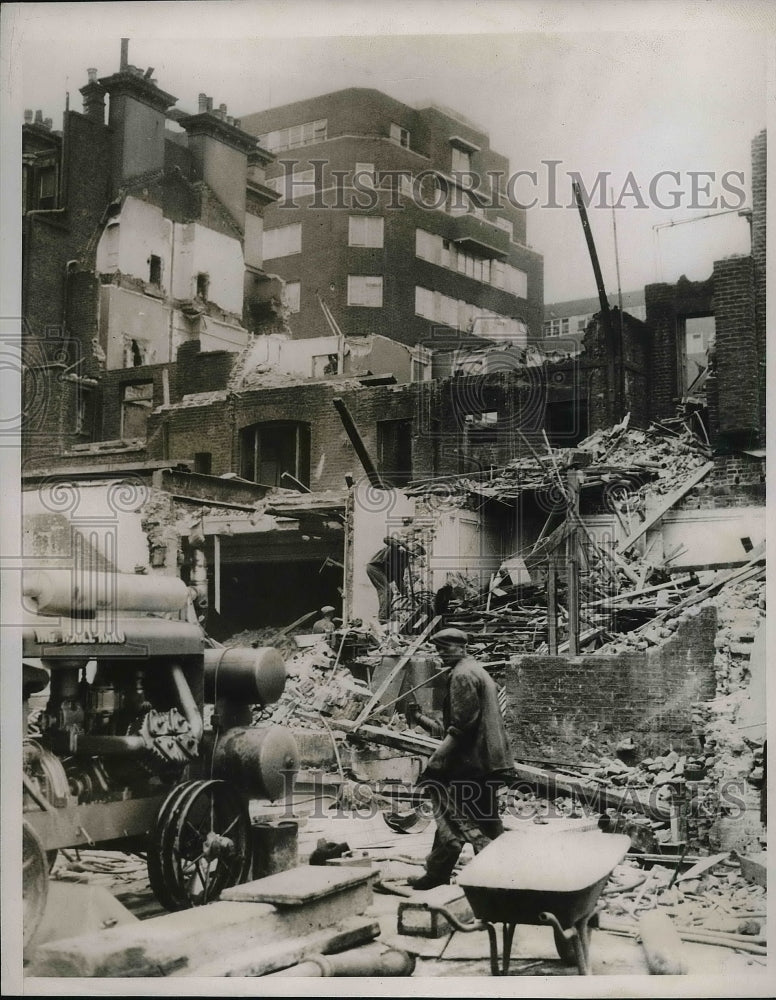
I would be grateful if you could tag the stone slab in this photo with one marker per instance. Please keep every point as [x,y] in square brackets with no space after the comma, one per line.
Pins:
[299,886]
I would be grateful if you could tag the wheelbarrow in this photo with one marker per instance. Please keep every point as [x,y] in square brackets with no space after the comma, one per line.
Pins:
[533,877]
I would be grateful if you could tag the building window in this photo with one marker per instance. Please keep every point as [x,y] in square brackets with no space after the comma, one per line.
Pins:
[203,462]
[581,324]
[564,326]
[47,187]
[267,450]
[283,241]
[462,161]
[137,401]
[394,449]
[365,290]
[516,281]
[482,428]
[400,135]
[293,293]
[365,231]
[203,285]
[155,270]
[84,416]
[294,136]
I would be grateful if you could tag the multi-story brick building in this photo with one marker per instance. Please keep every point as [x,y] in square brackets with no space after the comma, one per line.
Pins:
[140,234]
[398,219]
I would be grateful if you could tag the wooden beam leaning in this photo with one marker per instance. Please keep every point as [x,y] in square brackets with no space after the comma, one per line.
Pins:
[671,500]
[400,664]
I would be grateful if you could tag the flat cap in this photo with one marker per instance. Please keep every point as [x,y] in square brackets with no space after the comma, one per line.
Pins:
[449,636]
[328,609]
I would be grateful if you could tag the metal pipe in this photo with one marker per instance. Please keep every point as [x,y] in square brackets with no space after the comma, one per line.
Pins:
[63,591]
[371,960]
[105,745]
[186,701]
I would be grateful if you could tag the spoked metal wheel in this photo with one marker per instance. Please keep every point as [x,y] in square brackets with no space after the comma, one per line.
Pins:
[35,874]
[200,845]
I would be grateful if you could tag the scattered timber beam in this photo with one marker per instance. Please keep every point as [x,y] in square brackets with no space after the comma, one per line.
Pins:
[358,444]
[671,500]
[629,594]
[401,663]
[552,607]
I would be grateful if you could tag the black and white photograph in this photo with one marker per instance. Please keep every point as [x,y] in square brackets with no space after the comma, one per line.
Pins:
[383,535]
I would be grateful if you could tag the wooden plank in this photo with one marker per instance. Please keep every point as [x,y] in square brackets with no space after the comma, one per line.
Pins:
[401,663]
[704,865]
[297,886]
[671,500]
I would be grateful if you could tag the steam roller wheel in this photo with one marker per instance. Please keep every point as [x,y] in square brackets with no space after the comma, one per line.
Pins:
[35,874]
[201,844]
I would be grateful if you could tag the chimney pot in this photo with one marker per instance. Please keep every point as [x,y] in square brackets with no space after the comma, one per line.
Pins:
[209,104]
[28,115]
[202,103]
[124,53]
[222,107]
[38,117]
[92,74]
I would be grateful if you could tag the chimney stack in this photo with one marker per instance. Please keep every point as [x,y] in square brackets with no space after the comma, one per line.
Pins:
[124,54]
[28,116]
[202,108]
[39,117]
[93,94]
[92,75]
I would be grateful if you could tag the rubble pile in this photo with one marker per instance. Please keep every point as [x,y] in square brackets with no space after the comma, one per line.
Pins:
[318,686]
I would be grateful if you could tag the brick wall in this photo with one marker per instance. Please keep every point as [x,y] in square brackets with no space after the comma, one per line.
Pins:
[633,359]
[759,207]
[570,708]
[736,480]
[736,355]
[666,306]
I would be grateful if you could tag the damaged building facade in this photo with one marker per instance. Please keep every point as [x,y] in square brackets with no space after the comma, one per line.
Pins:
[252,397]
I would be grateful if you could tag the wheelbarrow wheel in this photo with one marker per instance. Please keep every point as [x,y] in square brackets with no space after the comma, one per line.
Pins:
[565,948]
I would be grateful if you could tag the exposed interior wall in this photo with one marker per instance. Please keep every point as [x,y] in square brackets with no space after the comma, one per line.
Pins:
[563,708]
[202,250]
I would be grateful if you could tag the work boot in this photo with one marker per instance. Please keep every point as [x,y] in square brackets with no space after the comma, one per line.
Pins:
[423,882]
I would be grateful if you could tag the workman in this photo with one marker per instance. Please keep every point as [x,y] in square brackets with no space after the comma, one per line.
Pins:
[387,569]
[325,624]
[474,758]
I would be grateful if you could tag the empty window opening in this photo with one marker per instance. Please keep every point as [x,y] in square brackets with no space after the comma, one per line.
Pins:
[155,269]
[695,338]
[203,461]
[203,285]
[270,449]
[137,401]
[394,448]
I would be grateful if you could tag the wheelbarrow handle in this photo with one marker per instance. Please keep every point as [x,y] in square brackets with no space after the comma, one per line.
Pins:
[460,925]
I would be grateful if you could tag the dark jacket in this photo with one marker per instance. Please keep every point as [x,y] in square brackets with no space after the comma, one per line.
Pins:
[471,713]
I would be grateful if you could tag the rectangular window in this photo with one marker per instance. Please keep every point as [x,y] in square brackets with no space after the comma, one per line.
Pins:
[203,462]
[365,231]
[581,324]
[84,418]
[283,241]
[462,161]
[394,449]
[294,136]
[137,401]
[203,285]
[516,281]
[424,302]
[47,187]
[155,269]
[564,326]
[365,290]
[293,295]
[400,135]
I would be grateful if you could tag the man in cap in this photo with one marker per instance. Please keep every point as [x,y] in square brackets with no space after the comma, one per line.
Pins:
[325,624]
[473,759]
[386,571]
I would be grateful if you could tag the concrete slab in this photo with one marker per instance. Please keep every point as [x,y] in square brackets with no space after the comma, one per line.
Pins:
[299,886]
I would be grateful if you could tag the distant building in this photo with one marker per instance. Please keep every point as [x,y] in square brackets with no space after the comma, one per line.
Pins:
[380,216]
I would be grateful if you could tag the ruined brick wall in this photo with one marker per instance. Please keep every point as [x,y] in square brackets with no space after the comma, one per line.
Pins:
[666,306]
[636,360]
[736,364]
[736,480]
[572,708]
[759,206]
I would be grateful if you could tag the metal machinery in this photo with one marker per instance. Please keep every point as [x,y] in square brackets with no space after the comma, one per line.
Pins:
[120,756]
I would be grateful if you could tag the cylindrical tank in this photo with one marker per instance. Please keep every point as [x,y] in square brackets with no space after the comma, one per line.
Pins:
[62,592]
[248,676]
[263,762]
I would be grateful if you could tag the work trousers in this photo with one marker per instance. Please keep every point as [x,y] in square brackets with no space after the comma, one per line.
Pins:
[380,582]
[465,810]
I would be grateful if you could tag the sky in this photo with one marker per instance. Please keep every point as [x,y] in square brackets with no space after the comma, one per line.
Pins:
[631,88]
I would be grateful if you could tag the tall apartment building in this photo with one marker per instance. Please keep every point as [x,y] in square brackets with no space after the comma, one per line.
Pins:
[397,219]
